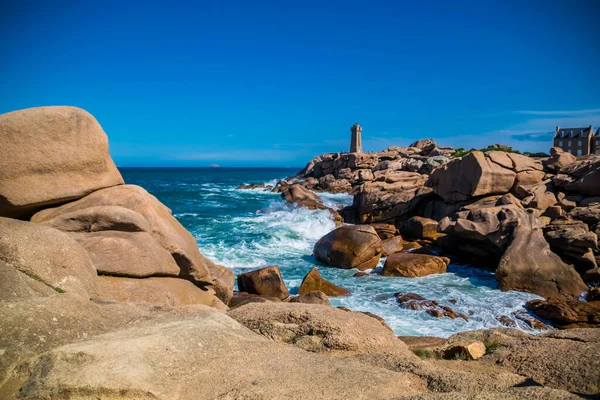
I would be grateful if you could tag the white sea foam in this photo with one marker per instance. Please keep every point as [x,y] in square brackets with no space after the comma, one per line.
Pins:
[275,233]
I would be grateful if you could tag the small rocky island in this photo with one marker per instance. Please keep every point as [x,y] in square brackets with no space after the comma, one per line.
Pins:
[105,295]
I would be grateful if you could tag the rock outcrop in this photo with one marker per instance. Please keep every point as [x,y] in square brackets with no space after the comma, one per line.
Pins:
[129,208]
[314,297]
[266,281]
[413,301]
[47,255]
[412,265]
[567,314]
[131,363]
[529,265]
[313,281]
[471,176]
[356,246]
[163,292]
[51,155]
[318,328]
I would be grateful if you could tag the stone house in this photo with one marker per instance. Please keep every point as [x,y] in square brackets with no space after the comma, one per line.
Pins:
[578,141]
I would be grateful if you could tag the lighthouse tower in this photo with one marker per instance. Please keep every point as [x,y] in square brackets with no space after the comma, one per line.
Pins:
[355,139]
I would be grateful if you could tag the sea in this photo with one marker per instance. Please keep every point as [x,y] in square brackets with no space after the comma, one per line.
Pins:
[250,229]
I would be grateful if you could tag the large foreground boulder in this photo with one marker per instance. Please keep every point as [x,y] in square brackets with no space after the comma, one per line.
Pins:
[350,246]
[320,328]
[528,265]
[47,255]
[163,227]
[204,356]
[557,359]
[50,155]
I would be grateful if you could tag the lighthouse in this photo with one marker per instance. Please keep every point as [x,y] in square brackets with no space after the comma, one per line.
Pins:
[355,139]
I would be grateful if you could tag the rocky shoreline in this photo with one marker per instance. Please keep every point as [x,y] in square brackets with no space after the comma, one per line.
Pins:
[534,221]
[105,295]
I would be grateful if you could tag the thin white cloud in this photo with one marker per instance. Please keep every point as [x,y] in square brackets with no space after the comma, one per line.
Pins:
[559,113]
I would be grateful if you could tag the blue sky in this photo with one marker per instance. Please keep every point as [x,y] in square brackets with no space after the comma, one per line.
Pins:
[272,83]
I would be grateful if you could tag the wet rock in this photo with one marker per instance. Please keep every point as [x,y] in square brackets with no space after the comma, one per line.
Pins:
[351,246]
[51,155]
[530,321]
[413,265]
[265,282]
[507,321]
[298,194]
[313,281]
[314,297]
[414,301]
[567,314]
[251,186]
[529,265]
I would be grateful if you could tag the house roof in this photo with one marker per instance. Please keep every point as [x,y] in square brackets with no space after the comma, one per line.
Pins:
[597,133]
[570,133]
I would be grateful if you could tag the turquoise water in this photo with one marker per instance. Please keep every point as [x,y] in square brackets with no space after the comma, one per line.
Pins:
[248,229]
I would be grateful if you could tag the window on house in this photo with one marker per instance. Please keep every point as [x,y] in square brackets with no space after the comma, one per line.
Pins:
[579,143]
[560,143]
[579,152]
[569,143]
[569,151]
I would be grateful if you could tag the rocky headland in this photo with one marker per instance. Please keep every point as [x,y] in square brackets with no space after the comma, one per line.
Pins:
[104,294]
